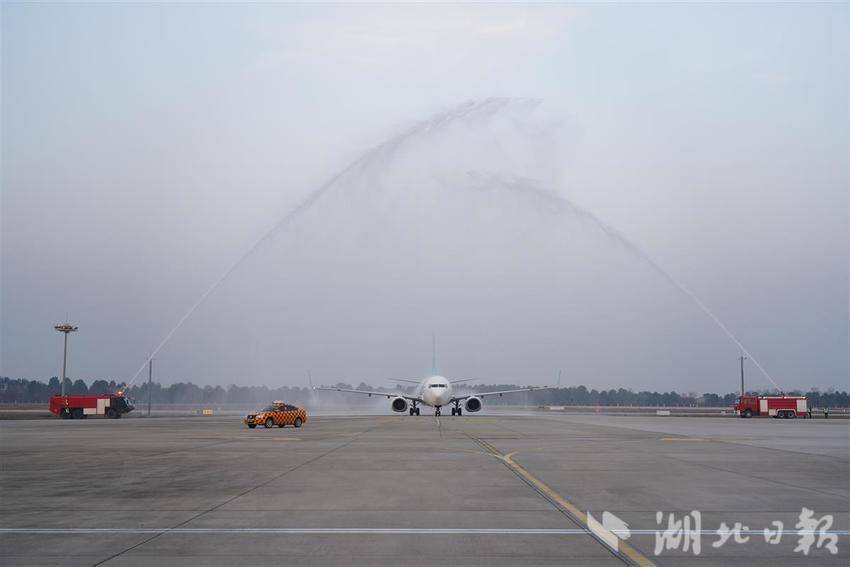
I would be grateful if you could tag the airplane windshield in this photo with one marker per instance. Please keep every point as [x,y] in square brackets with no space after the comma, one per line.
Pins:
[438,386]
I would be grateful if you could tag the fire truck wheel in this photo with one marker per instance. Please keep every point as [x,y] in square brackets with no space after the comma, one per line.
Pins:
[65,413]
[298,422]
[748,413]
[111,413]
[269,423]
[77,413]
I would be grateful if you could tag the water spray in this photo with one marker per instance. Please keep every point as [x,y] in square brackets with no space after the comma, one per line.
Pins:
[638,251]
[485,109]
[482,110]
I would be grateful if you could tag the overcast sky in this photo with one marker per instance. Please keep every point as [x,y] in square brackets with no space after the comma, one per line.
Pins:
[145,148]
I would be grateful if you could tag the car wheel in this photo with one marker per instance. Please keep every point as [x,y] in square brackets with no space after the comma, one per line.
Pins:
[252,426]
[269,423]
[298,422]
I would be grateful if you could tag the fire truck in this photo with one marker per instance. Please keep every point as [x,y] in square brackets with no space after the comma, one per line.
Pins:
[81,406]
[787,407]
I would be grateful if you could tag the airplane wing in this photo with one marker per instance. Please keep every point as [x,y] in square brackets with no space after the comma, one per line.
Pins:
[420,381]
[503,392]
[387,395]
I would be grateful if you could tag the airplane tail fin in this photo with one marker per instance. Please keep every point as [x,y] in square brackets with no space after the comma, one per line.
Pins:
[433,354]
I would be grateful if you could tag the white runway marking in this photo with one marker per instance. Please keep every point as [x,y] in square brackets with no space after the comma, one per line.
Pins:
[388,531]
[364,531]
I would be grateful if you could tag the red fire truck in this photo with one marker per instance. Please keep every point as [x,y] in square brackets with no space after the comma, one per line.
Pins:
[82,406]
[787,407]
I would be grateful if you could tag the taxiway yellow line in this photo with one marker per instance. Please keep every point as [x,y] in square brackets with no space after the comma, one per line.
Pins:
[622,547]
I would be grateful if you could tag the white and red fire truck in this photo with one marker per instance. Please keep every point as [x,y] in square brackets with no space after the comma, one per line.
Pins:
[787,407]
[82,406]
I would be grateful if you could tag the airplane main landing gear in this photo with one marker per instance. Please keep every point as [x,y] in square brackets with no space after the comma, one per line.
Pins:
[457,410]
[414,410]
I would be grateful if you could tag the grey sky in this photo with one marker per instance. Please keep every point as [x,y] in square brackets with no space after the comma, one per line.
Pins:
[146,147]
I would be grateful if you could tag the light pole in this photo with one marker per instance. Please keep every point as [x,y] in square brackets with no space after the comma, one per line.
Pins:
[150,383]
[65,328]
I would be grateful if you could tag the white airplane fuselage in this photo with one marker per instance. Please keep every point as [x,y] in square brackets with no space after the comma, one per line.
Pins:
[435,391]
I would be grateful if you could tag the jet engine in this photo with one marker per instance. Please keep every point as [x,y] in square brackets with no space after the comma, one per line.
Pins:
[399,405]
[472,404]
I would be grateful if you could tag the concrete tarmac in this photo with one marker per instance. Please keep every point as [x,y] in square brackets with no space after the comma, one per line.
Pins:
[487,489]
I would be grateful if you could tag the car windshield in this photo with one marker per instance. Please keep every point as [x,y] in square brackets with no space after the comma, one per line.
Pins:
[269,408]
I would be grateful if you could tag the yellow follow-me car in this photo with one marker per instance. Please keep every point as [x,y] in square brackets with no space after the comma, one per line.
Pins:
[278,413]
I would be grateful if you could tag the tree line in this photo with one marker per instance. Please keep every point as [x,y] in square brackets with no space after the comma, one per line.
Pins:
[33,391]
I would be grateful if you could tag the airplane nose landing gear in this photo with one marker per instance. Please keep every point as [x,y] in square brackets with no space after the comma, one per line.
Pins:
[437,410]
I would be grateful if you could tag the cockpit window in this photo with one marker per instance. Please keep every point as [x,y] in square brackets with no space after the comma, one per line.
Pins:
[437,386]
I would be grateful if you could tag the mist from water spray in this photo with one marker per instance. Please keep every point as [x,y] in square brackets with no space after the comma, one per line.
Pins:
[467,112]
[632,247]
[483,109]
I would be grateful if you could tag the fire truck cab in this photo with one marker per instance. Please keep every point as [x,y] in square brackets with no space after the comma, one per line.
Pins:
[787,407]
[81,406]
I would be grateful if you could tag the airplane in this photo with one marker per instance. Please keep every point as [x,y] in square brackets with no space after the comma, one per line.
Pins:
[435,391]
